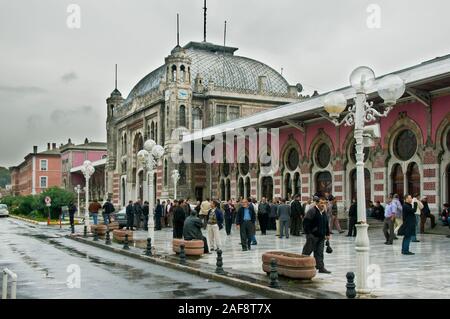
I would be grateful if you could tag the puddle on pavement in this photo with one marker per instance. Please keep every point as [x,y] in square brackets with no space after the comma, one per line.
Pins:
[33,263]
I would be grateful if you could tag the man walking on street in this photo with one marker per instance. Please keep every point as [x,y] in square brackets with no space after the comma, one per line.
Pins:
[317,230]
[296,216]
[245,222]
[158,215]
[263,215]
[108,209]
[72,211]
[94,207]
[388,225]
[138,214]
[228,208]
[146,213]
[130,215]
[284,216]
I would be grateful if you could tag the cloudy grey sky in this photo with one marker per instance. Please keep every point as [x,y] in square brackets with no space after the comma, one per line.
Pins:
[54,80]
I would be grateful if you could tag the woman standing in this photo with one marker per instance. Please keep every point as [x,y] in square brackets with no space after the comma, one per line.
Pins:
[214,225]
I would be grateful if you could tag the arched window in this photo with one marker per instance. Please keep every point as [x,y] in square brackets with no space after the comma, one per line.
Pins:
[138,143]
[413,179]
[292,159]
[267,187]
[174,73]
[182,74]
[287,185]
[323,156]
[125,144]
[241,187]
[156,133]
[248,187]
[197,118]
[166,172]
[222,190]
[405,145]
[182,121]
[353,186]
[182,171]
[397,180]
[152,131]
[245,167]
[297,184]
[323,183]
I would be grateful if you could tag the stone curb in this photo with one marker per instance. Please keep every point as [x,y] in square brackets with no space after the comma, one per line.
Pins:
[38,223]
[238,283]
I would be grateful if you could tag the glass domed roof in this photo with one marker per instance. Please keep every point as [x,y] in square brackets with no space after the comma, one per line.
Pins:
[219,64]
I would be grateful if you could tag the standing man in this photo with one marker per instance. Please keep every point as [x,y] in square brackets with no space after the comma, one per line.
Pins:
[130,215]
[93,210]
[138,214]
[214,225]
[284,216]
[296,216]
[408,228]
[317,230]
[72,211]
[146,213]
[168,215]
[158,214]
[245,222]
[228,208]
[263,215]
[108,209]
[418,219]
[389,219]
[353,219]
[254,204]
[179,216]
[426,213]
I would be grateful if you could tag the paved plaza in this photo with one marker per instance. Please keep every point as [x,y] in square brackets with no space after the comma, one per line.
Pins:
[419,276]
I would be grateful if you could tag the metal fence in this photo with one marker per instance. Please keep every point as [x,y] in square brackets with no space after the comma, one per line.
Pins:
[8,273]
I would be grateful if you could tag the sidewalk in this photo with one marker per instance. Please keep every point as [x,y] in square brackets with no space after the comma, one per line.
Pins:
[400,276]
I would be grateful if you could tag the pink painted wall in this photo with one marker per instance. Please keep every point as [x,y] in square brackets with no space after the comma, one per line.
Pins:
[94,156]
[313,130]
[78,158]
[441,109]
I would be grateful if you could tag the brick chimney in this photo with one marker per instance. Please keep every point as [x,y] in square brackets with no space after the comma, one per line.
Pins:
[54,146]
[35,149]
[48,146]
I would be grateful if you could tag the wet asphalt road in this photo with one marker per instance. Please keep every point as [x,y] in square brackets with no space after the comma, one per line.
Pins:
[46,264]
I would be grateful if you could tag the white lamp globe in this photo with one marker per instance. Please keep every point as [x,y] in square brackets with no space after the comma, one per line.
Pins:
[141,155]
[335,103]
[362,79]
[158,151]
[148,145]
[391,88]
[87,163]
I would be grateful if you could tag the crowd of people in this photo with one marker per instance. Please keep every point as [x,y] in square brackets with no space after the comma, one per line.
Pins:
[315,217]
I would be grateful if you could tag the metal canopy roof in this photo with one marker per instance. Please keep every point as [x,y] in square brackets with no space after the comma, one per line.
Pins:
[420,75]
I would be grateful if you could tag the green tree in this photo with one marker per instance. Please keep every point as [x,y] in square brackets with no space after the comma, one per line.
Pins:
[5,177]
[60,198]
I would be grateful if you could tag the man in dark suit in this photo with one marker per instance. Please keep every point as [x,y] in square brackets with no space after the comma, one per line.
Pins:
[245,222]
[130,215]
[408,228]
[297,212]
[179,216]
[317,230]
[353,219]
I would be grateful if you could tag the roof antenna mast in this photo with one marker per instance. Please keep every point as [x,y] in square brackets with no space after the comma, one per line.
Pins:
[178,30]
[204,22]
[116,78]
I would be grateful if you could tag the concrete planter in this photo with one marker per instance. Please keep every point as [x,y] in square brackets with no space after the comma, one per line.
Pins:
[101,229]
[291,265]
[119,235]
[191,247]
[113,226]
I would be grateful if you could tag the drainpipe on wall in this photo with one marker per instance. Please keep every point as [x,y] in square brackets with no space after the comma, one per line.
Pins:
[33,176]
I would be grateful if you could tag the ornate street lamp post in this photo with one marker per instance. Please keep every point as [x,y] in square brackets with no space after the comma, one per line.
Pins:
[149,157]
[88,170]
[176,178]
[78,191]
[390,88]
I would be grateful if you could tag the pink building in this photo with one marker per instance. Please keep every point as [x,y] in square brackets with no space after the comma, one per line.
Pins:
[73,157]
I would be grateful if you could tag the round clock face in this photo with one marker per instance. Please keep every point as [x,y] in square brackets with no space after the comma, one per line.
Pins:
[182,94]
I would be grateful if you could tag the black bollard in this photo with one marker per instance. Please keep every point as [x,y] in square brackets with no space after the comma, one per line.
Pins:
[85,231]
[72,228]
[108,239]
[274,283]
[95,235]
[351,291]
[182,255]
[219,264]
[125,244]
[148,251]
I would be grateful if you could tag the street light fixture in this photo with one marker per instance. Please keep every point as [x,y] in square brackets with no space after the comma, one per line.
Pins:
[149,157]
[88,170]
[390,88]
[176,178]
[78,191]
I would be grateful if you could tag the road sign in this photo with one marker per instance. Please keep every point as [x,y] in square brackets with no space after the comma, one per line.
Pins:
[48,201]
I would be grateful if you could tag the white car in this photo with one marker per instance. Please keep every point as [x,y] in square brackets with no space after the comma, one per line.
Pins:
[4,210]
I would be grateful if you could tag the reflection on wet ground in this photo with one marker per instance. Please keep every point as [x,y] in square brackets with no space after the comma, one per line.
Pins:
[41,256]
